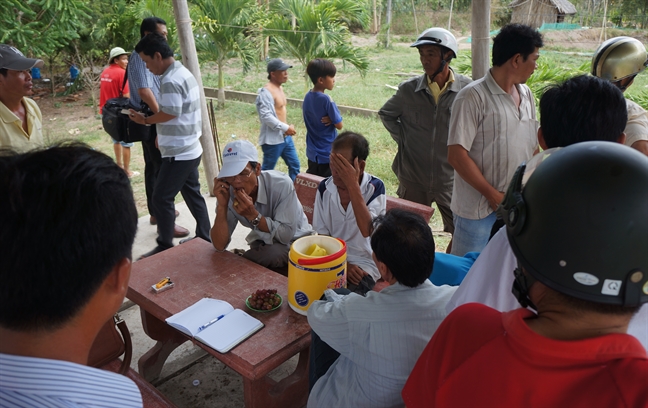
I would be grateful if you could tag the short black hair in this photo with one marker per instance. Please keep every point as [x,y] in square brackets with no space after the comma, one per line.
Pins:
[515,39]
[403,241]
[68,217]
[359,144]
[149,24]
[582,305]
[582,108]
[152,43]
[4,72]
[320,68]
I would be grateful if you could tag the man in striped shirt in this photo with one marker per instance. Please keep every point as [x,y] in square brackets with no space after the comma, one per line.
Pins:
[179,127]
[68,221]
[493,128]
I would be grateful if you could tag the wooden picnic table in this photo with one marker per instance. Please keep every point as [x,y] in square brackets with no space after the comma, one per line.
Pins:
[197,271]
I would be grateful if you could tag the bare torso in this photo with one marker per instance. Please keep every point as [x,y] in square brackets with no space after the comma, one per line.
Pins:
[279,100]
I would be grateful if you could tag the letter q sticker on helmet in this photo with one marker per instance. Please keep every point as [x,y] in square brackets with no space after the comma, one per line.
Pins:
[611,287]
[586,279]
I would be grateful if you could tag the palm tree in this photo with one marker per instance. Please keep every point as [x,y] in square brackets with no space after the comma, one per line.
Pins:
[225,34]
[304,31]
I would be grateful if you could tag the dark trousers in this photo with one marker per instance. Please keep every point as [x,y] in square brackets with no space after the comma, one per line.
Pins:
[319,169]
[179,176]
[152,162]
[322,356]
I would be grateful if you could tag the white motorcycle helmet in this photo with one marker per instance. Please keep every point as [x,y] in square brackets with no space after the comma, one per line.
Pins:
[438,36]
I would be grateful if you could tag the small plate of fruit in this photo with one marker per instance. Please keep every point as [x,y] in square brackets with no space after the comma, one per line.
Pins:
[264,300]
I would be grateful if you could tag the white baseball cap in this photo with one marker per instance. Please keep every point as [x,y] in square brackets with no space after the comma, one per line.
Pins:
[236,156]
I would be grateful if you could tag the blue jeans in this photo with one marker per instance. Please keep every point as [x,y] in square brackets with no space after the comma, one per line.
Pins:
[471,235]
[286,151]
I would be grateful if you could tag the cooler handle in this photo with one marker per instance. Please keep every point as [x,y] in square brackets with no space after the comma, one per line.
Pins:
[324,259]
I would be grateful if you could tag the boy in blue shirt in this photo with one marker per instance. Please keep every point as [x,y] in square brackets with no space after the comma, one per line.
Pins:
[321,116]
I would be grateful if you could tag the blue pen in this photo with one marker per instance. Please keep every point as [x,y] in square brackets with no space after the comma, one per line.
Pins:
[209,323]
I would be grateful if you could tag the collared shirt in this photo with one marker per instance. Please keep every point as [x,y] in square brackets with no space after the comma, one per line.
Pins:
[112,79]
[39,382]
[12,134]
[272,129]
[637,127]
[140,77]
[434,87]
[420,128]
[490,279]
[481,357]
[319,137]
[497,135]
[330,218]
[180,97]
[379,338]
[277,202]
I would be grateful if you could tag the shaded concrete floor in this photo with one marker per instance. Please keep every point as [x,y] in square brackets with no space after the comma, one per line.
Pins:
[217,385]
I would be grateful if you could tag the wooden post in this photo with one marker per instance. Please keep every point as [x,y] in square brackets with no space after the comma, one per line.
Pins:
[480,38]
[190,60]
[450,16]
[389,11]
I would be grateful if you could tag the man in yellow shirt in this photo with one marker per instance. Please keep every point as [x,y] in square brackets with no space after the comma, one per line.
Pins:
[21,126]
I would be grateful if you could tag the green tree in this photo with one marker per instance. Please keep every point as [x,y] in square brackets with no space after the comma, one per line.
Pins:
[305,30]
[42,27]
[225,25]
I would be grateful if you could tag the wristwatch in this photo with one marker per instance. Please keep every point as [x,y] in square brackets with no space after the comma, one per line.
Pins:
[255,222]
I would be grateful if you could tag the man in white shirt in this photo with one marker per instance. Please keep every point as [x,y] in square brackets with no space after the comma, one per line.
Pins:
[346,204]
[493,129]
[179,128]
[365,347]
[68,220]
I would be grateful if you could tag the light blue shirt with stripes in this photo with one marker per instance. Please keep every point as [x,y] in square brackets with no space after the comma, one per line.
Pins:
[39,382]
[140,77]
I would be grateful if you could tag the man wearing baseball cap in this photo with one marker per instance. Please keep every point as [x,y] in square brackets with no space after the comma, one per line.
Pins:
[21,126]
[264,201]
[275,135]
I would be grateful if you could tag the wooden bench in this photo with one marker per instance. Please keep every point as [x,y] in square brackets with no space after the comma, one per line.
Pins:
[306,188]
[151,397]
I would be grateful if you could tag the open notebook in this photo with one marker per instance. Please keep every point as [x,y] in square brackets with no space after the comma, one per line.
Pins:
[215,323]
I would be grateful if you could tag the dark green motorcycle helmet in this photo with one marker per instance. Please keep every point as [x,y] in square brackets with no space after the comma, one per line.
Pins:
[580,224]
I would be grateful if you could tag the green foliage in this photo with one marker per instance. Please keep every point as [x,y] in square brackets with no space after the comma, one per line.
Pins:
[319,31]
[225,33]
[42,27]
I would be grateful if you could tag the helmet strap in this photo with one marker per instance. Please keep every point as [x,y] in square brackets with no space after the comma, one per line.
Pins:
[521,286]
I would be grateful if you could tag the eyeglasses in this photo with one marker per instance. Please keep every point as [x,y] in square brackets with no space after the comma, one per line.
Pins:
[244,174]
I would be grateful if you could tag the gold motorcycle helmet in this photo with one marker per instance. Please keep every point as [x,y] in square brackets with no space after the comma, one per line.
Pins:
[619,58]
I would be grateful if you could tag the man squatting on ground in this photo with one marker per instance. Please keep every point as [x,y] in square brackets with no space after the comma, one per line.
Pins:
[579,230]
[583,108]
[263,200]
[346,204]
[179,129]
[144,93]
[493,128]
[275,135]
[21,126]
[418,118]
[60,289]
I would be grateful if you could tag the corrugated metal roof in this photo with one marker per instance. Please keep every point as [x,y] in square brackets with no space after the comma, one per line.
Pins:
[563,6]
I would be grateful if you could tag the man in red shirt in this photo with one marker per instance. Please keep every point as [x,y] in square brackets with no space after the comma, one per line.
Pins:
[112,85]
[579,231]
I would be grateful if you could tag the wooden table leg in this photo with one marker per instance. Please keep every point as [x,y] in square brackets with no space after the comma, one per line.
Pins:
[292,391]
[168,339]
